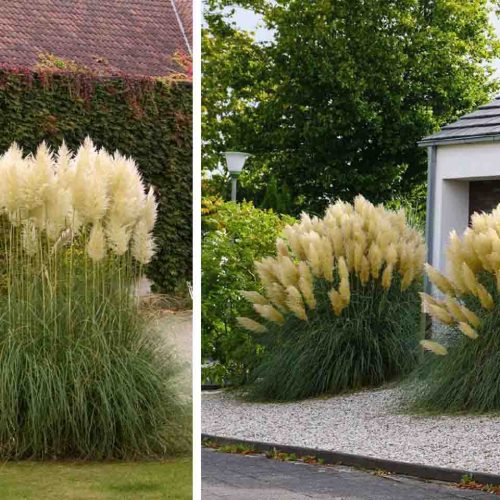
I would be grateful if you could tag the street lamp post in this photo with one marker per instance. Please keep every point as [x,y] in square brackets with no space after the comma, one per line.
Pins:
[235,162]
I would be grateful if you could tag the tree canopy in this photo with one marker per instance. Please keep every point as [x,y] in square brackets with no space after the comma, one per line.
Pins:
[335,104]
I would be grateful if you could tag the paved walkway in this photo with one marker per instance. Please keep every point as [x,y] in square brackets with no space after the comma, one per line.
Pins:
[248,477]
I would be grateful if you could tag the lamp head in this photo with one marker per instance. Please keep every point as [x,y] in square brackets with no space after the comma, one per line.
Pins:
[235,162]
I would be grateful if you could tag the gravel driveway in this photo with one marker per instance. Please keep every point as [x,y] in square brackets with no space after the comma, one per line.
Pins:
[364,423]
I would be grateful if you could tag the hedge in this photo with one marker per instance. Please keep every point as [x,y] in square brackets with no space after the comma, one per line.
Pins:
[147,119]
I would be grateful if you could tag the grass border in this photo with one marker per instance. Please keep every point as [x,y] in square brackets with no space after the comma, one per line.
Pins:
[363,462]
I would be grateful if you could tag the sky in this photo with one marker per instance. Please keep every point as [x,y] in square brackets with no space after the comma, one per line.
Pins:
[248,20]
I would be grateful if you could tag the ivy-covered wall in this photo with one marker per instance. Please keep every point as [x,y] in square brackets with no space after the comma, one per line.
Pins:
[149,120]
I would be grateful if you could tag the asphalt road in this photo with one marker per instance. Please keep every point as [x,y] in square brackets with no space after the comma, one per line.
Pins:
[248,477]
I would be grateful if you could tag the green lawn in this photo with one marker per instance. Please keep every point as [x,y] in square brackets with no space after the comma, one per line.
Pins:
[169,479]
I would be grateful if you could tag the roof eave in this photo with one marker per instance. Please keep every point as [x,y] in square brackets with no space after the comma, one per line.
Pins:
[459,140]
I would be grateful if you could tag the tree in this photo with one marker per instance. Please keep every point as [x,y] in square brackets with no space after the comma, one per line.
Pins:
[336,104]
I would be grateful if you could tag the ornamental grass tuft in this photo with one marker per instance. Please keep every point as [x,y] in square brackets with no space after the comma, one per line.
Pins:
[465,376]
[79,375]
[340,309]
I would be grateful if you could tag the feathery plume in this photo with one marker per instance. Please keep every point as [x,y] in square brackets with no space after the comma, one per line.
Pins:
[442,283]
[295,303]
[254,297]
[435,347]
[269,312]
[96,246]
[305,285]
[251,325]
[337,302]
[466,329]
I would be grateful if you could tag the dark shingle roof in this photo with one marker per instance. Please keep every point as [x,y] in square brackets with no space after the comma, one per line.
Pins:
[482,124]
[138,37]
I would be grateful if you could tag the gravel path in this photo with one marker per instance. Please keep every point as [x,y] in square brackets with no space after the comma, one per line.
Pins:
[176,328]
[364,423]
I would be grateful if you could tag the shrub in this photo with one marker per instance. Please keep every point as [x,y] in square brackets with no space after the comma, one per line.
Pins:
[78,377]
[340,308]
[466,375]
[235,235]
[147,119]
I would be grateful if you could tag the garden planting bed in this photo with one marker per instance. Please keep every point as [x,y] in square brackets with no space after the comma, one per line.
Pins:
[365,423]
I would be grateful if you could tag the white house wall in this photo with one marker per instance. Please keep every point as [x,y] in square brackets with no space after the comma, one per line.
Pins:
[456,165]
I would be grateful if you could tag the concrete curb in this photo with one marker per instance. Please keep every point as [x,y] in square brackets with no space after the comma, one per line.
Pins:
[364,462]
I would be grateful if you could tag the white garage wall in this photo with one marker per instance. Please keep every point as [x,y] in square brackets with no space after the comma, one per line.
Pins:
[456,165]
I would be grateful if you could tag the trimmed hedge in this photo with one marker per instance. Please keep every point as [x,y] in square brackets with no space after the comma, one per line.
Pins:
[147,119]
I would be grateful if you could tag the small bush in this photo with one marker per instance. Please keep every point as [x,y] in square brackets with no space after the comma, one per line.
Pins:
[234,236]
[340,309]
[466,376]
[78,376]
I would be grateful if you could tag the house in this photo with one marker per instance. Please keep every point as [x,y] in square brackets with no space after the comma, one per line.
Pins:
[463,175]
[135,37]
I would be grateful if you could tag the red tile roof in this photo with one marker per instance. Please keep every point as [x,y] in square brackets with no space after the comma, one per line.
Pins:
[185,9]
[138,37]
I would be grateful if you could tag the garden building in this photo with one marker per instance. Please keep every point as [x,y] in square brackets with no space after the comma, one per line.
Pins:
[463,175]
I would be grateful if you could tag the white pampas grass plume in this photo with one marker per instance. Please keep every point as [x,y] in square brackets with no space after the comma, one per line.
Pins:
[266,270]
[327,259]
[440,281]
[254,297]
[407,280]
[305,285]
[90,197]
[127,193]
[282,247]
[293,236]
[12,169]
[251,325]
[376,259]
[428,300]
[469,278]
[96,246]
[150,210]
[118,236]
[269,312]
[337,241]
[344,287]
[435,347]
[364,272]
[466,329]
[295,303]
[143,245]
[441,314]
[38,178]
[337,302]
[387,277]
[391,254]
[58,208]
[472,318]
[455,310]
[484,296]
[277,295]
[288,272]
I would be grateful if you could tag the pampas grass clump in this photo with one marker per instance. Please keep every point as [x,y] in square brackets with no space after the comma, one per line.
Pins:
[78,376]
[465,377]
[341,307]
